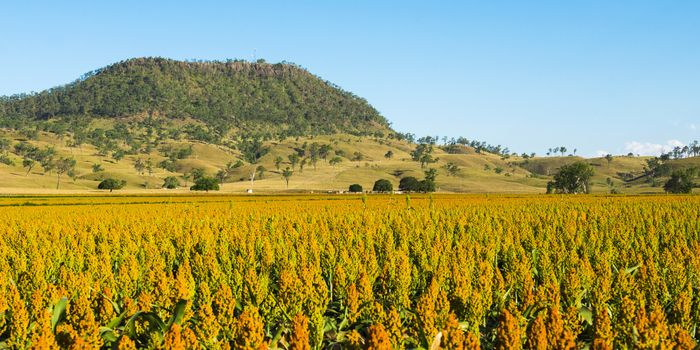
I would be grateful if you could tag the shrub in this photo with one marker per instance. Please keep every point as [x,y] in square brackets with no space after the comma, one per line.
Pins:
[409,184]
[681,181]
[383,185]
[171,182]
[111,184]
[355,188]
[205,183]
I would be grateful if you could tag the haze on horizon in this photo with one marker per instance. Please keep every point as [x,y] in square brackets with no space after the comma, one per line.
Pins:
[597,76]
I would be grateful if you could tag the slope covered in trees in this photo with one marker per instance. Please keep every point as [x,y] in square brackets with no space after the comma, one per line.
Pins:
[232,95]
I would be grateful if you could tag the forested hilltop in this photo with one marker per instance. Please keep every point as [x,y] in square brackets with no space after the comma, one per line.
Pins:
[216,98]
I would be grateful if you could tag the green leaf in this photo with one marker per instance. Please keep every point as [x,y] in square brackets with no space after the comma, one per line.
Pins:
[178,314]
[59,313]
[152,318]
[108,335]
[586,314]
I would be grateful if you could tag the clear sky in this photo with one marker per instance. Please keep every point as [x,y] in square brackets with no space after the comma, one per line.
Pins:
[599,76]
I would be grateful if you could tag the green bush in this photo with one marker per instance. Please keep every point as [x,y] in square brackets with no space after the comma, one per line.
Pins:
[171,182]
[383,185]
[355,188]
[681,181]
[111,184]
[205,183]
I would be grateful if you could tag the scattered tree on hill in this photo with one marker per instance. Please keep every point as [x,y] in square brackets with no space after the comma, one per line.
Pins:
[111,184]
[563,150]
[171,182]
[681,181]
[452,169]
[294,159]
[96,168]
[118,155]
[423,153]
[205,183]
[302,164]
[286,175]
[5,145]
[357,157]
[324,151]
[383,186]
[261,172]
[252,150]
[335,161]
[355,188]
[196,174]
[29,164]
[609,158]
[222,175]
[389,154]
[571,179]
[140,166]
[63,166]
[149,166]
[278,162]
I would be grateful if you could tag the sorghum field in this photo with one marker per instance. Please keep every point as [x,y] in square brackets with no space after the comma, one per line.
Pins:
[378,272]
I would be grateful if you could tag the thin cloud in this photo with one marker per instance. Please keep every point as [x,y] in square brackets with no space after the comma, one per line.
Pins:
[651,149]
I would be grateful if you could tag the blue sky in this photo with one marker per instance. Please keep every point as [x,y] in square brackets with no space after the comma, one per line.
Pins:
[599,76]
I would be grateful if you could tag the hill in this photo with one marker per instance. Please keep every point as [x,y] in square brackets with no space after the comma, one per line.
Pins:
[147,119]
[277,99]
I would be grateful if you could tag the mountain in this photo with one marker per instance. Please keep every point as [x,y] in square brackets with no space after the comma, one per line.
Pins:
[278,99]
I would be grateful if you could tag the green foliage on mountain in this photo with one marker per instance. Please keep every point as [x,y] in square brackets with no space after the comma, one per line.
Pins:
[222,97]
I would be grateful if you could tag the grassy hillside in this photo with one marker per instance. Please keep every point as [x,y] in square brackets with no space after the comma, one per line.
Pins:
[478,173]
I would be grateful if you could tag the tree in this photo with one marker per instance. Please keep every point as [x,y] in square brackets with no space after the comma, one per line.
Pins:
[681,181]
[29,164]
[261,171]
[383,185]
[431,174]
[389,154]
[355,188]
[409,184]
[278,162]
[149,166]
[302,164]
[221,175]
[335,161]
[453,169]
[562,149]
[63,165]
[111,184]
[118,155]
[571,179]
[5,145]
[171,182]
[609,158]
[423,154]
[196,174]
[96,168]
[286,175]
[252,150]
[139,165]
[294,159]
[205,183]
